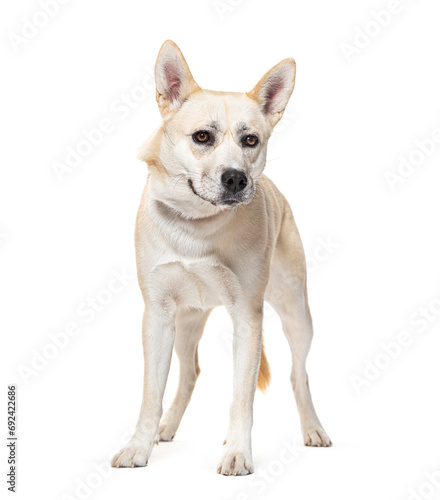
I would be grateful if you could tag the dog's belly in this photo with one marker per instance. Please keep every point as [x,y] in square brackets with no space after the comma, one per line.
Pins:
[199,283]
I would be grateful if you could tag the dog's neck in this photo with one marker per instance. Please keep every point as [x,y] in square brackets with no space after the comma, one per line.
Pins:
[210,223]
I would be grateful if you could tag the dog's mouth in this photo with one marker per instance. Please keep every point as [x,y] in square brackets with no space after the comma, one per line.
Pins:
[227,201]
[190,184]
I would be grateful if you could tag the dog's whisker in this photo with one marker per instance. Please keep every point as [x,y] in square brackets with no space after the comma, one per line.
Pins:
[178,179]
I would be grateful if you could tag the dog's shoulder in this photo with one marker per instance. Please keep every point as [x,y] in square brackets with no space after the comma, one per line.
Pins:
[275,200]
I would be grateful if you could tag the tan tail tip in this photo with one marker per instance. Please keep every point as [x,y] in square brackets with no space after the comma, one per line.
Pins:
[264,373]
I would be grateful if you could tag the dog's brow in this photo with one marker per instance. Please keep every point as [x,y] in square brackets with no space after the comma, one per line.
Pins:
[214,125]
[242,127]
[210,126]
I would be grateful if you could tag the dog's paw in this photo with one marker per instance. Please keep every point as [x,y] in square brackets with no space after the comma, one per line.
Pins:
[235,464]
[317,437]
[167,431]
[132,456]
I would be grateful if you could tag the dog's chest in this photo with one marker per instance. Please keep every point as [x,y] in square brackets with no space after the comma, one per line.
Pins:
[193,263]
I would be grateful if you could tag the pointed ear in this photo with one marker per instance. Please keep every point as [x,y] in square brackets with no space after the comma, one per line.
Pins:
[273,91]
[174,82]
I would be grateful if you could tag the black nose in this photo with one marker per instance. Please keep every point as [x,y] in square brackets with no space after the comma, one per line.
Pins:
[234,180]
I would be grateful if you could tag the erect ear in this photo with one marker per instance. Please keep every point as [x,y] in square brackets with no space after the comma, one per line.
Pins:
[174,82]
[273,91]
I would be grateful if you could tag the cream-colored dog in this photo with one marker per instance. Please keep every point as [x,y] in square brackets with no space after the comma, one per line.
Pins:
[213,230]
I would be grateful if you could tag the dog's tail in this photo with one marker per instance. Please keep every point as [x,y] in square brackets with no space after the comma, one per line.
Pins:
[264,373]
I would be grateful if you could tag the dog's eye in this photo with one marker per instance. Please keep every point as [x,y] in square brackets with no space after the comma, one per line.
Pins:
[201,136]
[250,140]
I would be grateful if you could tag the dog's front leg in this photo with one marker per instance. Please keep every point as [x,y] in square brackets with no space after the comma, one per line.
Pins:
[237,457]
[158,333]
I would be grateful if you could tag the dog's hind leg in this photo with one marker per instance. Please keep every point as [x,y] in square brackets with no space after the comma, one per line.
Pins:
[287,294]
[189,329]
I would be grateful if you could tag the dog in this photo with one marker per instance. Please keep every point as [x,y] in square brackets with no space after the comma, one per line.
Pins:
[213,230]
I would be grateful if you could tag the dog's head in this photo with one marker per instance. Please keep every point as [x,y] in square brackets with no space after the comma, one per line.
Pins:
[212,145]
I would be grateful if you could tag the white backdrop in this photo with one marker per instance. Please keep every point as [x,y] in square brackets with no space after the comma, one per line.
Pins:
[357,156]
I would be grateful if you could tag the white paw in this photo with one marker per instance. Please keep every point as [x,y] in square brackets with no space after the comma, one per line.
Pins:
[133,455]
[167,431]
[316,437]
[235,464]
